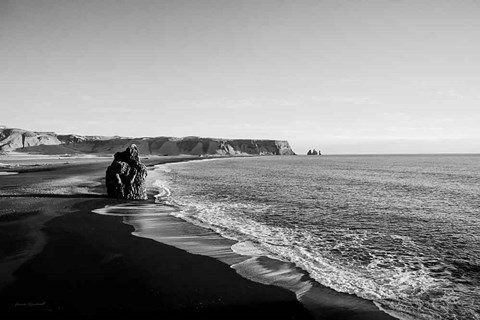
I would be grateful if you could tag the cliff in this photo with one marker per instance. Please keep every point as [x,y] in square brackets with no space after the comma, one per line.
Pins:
[52,143]
[12,139]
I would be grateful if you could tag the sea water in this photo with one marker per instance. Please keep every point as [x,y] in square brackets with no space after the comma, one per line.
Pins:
[402,231]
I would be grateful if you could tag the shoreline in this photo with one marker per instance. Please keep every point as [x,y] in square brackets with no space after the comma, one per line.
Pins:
[259,268]
[91,266]
[329,308]
[60,260]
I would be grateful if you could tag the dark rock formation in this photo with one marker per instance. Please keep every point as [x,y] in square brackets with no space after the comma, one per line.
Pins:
[125,177]
[313,153]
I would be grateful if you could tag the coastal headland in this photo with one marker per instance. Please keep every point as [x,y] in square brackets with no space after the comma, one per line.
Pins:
[13,139]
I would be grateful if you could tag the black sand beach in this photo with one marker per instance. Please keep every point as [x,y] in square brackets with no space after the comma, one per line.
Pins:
[58,259]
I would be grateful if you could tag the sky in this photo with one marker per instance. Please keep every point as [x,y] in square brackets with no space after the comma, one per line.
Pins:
[344,77]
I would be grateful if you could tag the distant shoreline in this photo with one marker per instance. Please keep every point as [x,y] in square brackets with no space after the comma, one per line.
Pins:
[392,154]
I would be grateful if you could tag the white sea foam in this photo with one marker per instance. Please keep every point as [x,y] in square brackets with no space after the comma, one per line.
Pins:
[281,274]
[4,173]
[136,210]
[247,248]
[163,190]
[394,290]
[399,279]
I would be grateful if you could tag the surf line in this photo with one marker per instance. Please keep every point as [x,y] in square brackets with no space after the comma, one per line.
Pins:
[162,220]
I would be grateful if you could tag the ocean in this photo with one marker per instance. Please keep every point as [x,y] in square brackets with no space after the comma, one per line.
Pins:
[401,231]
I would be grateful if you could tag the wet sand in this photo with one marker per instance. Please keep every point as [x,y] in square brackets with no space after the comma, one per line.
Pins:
[58,259]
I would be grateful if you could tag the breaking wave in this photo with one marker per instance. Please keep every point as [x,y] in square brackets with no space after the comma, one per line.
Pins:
[414,259]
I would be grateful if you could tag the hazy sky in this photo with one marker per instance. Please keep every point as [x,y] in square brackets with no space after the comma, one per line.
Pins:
[343,76]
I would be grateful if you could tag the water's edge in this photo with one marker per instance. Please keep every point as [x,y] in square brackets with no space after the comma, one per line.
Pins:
[157,220]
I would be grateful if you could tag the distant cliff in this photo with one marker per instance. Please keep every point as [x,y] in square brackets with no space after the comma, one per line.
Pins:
[52,143]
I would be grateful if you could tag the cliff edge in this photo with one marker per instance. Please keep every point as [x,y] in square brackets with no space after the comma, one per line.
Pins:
[51,143]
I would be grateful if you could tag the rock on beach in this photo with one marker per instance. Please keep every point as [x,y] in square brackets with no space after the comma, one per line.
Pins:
[125,177]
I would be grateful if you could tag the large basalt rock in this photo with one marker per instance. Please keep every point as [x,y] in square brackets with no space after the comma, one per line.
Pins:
[125,177]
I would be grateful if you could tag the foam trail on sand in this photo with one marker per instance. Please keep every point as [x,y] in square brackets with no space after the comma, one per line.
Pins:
[168,221]
[154,221]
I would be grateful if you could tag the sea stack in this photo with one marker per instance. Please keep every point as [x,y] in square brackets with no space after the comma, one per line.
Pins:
[125,177]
